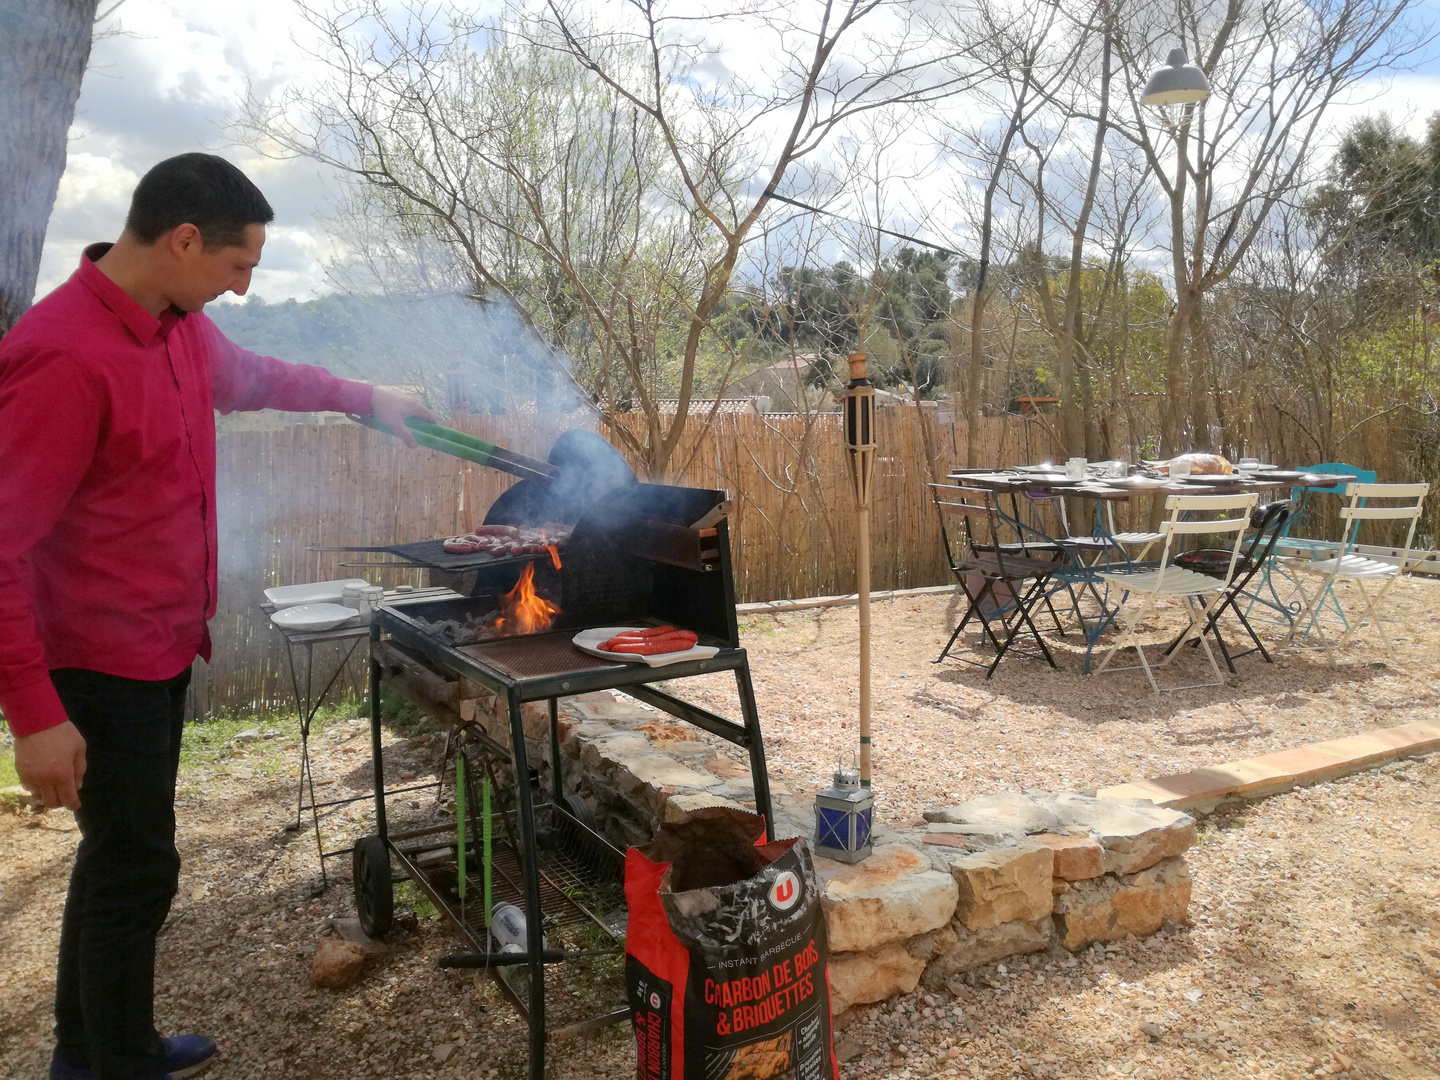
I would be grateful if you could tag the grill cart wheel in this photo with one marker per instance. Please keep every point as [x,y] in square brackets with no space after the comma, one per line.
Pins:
[374,892]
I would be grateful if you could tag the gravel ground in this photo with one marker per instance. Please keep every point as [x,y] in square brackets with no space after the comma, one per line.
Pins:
[1316,943]
[942,733]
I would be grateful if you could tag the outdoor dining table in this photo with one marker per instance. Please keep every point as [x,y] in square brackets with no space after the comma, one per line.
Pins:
[1053,481]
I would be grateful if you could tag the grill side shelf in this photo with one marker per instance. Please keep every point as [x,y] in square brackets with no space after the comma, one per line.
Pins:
[676,545]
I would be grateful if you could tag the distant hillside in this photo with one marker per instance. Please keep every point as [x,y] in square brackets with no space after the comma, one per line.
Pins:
[402,341]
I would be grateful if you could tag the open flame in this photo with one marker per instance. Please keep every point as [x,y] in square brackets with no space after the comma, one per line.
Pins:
[522,609]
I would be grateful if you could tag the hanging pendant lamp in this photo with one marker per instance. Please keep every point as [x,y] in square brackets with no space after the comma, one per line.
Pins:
[1178,83]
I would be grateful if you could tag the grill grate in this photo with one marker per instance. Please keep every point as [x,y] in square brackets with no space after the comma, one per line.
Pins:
[536,656]
[432,554]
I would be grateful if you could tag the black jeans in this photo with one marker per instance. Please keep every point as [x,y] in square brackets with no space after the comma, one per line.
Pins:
[126,870]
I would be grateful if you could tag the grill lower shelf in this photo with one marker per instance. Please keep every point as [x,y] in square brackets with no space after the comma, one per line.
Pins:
[581,912]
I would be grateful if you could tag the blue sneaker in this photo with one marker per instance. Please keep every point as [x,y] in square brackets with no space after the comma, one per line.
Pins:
[185,1055]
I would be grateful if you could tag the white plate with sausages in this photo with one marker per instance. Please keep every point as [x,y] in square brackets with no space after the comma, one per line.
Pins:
[589,641]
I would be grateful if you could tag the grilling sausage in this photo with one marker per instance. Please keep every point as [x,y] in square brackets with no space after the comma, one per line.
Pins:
[652,642]
[649,632]
[654,646]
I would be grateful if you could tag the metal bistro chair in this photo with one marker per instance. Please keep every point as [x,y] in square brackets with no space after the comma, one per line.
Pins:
[1269,522]
[1307,547]
[1347,566]
[1170,580]
[1080,557]
[1134,538]
[1001,586]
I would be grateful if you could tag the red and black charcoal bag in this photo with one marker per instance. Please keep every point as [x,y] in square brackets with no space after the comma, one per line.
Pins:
[725,954]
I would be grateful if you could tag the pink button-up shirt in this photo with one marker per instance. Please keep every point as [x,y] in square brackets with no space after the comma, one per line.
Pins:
[107,483]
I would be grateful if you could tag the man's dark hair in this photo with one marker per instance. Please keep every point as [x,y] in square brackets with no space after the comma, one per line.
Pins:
[201,190]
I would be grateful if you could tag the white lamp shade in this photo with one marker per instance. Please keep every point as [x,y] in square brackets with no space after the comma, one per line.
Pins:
[1178,83]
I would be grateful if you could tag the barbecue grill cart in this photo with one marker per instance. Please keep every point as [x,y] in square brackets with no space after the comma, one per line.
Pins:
[637,555]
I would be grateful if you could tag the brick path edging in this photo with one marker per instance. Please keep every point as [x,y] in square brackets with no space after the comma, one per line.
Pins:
[1269,774]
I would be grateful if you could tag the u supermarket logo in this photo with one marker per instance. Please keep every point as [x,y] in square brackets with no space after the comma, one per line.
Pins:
[785,893]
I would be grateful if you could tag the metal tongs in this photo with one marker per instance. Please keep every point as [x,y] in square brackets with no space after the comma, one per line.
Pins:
[468,448]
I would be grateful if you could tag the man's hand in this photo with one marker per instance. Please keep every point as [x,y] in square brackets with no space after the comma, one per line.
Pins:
[391,409]
[51,764]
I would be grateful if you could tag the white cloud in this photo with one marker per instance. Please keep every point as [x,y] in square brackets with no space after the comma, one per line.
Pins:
[172,83]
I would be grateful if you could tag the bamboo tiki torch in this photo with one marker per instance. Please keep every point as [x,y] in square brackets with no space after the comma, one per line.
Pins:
[844,812]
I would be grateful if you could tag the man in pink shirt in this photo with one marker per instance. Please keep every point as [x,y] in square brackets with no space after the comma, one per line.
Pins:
[108,392]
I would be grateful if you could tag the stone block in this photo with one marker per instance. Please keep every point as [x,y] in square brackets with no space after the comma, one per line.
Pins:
[1111,907]
[664,733]
[727,769]
[535,720]
[337,963]
[957,948]
[349,930]
[582,734]
[873,975]
[1010,814]
[1076,857]
[891,896]
[955,840]
[1134,833]
[678,808]
[1003,884]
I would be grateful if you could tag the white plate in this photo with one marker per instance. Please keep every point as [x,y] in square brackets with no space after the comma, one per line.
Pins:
[318,592]
[313,616]
[589,640]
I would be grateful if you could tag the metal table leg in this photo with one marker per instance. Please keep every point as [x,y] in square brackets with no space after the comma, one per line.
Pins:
[307,705]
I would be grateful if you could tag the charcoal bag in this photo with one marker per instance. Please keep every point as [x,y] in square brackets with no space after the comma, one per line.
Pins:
[725,954]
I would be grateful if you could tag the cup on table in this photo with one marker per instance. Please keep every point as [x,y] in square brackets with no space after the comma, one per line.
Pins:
[1180,467]
[1249,464]
[1118,470]
[1075,468]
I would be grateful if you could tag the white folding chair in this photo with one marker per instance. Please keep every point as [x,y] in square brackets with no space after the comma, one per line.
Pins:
[1407,500]
[1143,540]
[1148,587]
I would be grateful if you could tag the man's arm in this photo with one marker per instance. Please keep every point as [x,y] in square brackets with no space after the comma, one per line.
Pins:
[244,381]
[49,424]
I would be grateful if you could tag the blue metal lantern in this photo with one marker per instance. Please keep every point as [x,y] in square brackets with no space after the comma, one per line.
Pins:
[842,818]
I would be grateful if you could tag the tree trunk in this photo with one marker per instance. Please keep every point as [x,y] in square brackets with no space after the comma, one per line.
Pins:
[1173,438]
[973,366]
[1199,384]
[44,46]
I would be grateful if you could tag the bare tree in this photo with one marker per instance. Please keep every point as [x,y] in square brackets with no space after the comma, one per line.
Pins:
[1028,58]
[1222,168]
[598,172]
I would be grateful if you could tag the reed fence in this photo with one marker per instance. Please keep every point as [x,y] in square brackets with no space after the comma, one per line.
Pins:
[286,496]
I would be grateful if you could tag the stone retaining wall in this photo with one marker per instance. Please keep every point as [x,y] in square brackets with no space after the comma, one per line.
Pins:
[973,884]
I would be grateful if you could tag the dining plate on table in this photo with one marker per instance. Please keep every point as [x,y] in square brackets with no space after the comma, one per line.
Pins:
[589,641]
[1214,478]
[313,617]
[1137,483]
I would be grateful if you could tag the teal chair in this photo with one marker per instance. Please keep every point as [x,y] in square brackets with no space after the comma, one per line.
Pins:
[1305,547]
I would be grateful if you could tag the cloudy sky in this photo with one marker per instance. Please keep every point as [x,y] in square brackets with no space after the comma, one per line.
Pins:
[173,82]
